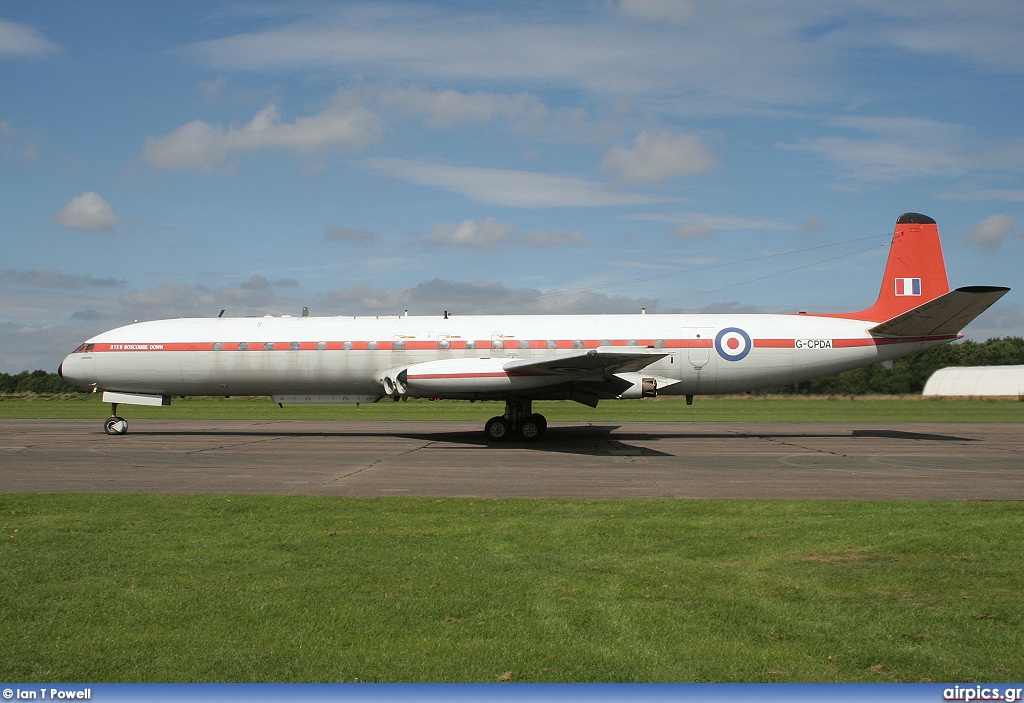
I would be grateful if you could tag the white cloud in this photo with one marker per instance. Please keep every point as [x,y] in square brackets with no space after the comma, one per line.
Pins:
[52,278]
[692,231]
[992,231]
[554,239]
[360,237]
[89,213]
[673,11]
[813,224]
[28,347]
[658,155]
[255,296]
[722,57]
[437,295]
[984,33]
[443,108]
[510,187]
[257,282]
[199,145]
[173,299]
[713,222]
[1007,195]
[487,234]
[17,145]
[24,41]
[896,149]
[671,49]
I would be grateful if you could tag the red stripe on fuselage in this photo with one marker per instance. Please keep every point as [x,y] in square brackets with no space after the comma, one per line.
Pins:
[477,345]
[775,343]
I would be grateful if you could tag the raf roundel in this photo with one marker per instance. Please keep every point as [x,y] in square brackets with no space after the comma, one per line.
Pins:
[732,344]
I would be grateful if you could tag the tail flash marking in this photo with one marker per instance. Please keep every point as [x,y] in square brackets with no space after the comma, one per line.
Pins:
[908,286]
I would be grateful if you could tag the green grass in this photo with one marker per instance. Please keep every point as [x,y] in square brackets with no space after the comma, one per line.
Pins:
[251,588]
[265,588]
[664,409]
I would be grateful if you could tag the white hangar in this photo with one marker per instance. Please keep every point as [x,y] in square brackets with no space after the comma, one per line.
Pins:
[976,381]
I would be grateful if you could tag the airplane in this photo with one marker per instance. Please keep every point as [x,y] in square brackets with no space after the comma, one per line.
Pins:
[523,358]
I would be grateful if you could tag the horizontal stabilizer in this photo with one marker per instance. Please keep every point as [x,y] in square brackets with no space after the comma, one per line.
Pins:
[945,315]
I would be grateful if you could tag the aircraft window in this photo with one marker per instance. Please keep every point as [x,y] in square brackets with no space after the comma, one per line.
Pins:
[605,343]
[577,344]
[524,343]
[632,343]
[321,345]
[89,347]
[497,344]
[371,345]
[217,346]
[444,344]
[242,346]
[471,344]
[269,346]
[659,343]
[346,346]
[294,346]
[552,344]
[398,346]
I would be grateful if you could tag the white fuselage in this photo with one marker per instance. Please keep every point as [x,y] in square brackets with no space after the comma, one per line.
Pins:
[343,358]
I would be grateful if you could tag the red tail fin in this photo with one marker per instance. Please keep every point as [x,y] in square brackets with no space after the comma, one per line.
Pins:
[914,274]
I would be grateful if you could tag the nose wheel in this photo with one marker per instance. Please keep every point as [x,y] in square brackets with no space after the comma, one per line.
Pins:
[115,425]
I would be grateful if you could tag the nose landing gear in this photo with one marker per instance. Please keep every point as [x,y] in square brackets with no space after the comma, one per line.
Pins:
[115,425]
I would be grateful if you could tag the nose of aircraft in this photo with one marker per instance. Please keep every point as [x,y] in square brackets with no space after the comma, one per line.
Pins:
[74,369]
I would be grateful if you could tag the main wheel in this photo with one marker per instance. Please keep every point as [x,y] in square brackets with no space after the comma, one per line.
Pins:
[530,430]
[115,425]
[497,429]
[542,422]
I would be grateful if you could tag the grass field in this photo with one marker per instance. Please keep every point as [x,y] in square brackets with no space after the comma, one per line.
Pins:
[663,409]
[101,588]
[249,588]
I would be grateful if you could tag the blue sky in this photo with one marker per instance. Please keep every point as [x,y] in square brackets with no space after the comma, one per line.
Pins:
[168,159]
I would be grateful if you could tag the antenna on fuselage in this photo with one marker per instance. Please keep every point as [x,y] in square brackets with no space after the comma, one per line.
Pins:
[222,313]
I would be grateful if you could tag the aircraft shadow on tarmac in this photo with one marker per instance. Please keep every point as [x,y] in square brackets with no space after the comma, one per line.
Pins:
[584,440]
[899,434]
[590,440]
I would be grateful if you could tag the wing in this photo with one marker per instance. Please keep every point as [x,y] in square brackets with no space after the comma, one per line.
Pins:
[590,375]
[591,363]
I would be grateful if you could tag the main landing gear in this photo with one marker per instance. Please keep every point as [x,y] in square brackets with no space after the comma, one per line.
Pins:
[115,424]
[519,421]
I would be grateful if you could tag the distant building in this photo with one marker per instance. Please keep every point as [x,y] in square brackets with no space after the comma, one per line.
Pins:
[977,381]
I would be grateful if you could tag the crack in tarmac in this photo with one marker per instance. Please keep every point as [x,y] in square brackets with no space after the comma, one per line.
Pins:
[375,463]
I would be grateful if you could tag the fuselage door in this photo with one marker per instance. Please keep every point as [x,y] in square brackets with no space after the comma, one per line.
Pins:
[194,365]
[699,341]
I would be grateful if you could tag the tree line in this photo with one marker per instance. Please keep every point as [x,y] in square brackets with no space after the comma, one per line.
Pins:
[39,382]
[907,377]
